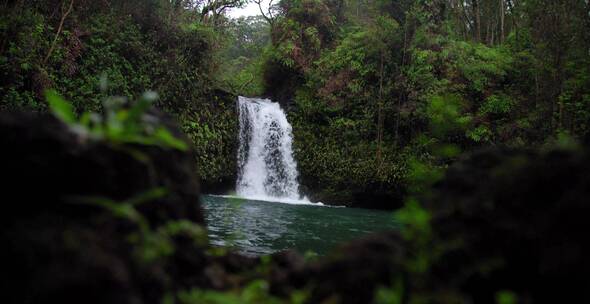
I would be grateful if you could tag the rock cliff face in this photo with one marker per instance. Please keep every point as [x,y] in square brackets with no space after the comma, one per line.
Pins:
[87,221]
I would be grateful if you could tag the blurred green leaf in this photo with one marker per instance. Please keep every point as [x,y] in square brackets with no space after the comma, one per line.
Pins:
[60,108]
[165,137]
[506,297]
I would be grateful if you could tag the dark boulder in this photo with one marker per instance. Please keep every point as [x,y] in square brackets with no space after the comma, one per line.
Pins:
[514,220]
[67,235]
[44,162]
[351,274]
[504,222]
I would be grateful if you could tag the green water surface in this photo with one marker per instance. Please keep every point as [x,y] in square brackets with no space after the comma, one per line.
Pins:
[259,227]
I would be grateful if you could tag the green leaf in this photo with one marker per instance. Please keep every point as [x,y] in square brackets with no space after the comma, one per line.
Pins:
[85,119]
[25,66]
[165,137]
[60,108]
[150,195]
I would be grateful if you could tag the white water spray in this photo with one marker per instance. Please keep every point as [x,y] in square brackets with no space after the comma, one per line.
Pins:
[266,168]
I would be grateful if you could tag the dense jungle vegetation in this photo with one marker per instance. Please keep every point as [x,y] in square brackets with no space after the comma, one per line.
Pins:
[375,90]
[464,116]
[376,87]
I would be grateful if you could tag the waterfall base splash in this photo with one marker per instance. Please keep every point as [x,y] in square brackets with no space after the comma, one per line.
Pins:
[303,201]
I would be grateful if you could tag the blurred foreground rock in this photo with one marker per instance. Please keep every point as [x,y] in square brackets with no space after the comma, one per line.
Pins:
[515,221]
[505,225]
[60,245]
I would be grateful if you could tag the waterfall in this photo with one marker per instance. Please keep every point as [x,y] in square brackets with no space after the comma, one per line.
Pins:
[266,167]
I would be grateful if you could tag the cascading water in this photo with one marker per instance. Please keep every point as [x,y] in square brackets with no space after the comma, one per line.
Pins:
[266,168]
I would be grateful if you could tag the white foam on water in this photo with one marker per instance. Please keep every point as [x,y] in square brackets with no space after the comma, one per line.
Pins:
[303,201]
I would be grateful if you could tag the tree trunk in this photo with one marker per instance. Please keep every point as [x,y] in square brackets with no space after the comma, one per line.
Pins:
[513,18]
[59,29]
[502,15]
[466,20]
[401,71]
[488,39]
[476,13]
[380,119]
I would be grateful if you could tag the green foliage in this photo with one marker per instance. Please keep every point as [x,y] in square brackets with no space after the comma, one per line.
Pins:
[420,72]
[392,295]
[20,58]
[341,66]
[481,66]
[416,220]
[136,46]
[562,141]
[338,158]
[422,175]
[213,131]
[300,35]
[154,245]
[445,115]
[60,108]
[242,66]
[574,100]
[446,150]
[506,297]
[119,125]
[480,134]
[336,107]
[499,105]
[436,88]
[255,292]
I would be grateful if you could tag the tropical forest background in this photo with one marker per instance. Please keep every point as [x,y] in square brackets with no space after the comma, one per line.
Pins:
[378,92]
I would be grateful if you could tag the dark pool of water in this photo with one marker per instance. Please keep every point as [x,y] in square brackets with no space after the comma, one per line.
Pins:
[259,227]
